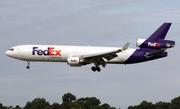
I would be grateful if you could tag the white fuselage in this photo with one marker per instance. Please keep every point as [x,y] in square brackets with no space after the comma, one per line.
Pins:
[58,53]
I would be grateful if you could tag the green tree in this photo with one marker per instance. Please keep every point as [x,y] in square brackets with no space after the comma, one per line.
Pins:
[175,103]
[88,102]
[3,107]
[76,105]
[66,105]
[68,97]
[37,103]
[107,106]
[162,105]
[10,107]
[145,105]
[55,106]
[132,107]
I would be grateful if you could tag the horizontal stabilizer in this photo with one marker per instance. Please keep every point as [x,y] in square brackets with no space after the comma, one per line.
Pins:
[155,53]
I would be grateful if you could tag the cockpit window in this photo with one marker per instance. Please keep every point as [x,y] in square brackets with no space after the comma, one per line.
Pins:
[11,49]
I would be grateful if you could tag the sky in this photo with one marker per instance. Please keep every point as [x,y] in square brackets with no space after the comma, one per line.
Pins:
[88,22]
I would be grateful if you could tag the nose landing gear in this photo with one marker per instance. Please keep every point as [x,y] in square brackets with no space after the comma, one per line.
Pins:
[28,65]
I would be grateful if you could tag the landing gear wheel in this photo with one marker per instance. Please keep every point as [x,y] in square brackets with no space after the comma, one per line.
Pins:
[93,69]
[98,69]
[27,67]
[28,63]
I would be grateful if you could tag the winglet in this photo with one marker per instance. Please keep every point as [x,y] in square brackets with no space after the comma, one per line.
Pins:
[126,46]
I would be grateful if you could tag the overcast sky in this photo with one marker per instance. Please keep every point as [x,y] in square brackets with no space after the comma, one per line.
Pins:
[88,22]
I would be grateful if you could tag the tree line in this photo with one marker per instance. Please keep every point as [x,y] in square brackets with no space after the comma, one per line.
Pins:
[174,104]
[69,101]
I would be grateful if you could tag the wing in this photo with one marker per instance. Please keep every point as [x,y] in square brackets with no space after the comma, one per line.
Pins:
[98,58]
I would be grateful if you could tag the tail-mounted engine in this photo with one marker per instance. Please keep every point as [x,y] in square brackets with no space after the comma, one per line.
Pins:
[142,43]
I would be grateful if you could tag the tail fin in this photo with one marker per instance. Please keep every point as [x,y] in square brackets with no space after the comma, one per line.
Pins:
[156,40]
[160,33]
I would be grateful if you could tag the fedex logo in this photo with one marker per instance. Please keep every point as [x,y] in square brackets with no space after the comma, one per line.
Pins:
[73,60]
[155,44]
[50,51]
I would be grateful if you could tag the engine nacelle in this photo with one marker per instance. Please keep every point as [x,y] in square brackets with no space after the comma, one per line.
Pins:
[139,42]
[74,61]
[143,43]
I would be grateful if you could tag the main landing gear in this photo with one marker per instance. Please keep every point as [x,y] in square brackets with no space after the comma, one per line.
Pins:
[28,65]
[96,68]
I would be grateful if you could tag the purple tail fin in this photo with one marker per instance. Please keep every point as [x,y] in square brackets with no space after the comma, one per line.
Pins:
[160,33]
[156,40]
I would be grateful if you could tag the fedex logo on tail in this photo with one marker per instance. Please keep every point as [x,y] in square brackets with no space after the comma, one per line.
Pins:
[50,51]
[155,44]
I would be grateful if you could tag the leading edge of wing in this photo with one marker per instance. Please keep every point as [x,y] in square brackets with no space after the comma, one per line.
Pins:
[107,55]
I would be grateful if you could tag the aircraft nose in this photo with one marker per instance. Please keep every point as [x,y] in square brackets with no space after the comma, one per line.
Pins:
[9,53]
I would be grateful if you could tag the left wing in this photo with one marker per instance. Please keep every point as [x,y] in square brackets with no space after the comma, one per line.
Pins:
[98,58]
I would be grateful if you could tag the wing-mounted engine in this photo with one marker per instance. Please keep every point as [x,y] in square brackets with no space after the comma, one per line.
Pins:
[161,43]
[75,61]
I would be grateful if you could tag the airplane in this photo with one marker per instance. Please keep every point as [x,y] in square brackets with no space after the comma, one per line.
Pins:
[76,56]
